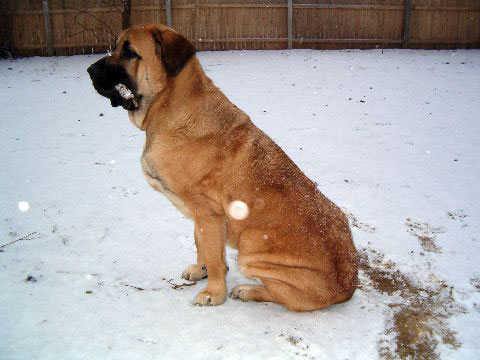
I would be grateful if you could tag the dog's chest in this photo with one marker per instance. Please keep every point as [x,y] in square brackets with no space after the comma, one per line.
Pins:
[154,177]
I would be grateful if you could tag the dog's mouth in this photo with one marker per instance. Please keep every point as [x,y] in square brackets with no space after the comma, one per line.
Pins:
[114,83]
[130,102]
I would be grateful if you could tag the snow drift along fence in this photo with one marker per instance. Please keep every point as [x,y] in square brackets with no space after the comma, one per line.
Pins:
[67,27]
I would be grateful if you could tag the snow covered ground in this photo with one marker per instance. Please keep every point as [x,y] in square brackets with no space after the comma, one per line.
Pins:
[392,137]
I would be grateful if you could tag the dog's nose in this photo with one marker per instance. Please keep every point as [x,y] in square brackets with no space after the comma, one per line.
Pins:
[96,68]
[93,70]
[90,70]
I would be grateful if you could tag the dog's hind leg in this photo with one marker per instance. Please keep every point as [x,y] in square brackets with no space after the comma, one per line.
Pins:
[298,289]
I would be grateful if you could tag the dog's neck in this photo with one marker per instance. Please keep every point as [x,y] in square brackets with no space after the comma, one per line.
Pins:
[137,117]
[176,88]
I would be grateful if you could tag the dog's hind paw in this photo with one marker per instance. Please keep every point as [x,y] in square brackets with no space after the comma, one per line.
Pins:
[251,293]
[237,293]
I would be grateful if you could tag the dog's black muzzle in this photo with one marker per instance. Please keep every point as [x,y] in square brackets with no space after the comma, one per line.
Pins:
[105,76]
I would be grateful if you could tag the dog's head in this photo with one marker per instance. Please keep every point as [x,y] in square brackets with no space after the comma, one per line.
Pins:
[144,58]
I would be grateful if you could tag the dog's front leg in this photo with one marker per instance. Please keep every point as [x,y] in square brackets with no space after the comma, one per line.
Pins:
[198,271]
[211,246]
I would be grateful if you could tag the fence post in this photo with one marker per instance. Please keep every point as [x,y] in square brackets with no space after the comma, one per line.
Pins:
[168,12]
[290,23]
[126,14]
[406,23]
[48,28]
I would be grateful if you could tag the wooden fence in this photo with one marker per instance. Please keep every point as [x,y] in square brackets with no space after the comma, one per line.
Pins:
[67,27]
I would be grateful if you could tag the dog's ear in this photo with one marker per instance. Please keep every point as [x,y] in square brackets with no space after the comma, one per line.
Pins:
[174,50]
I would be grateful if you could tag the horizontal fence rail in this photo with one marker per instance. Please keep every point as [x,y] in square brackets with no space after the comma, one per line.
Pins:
[68,27]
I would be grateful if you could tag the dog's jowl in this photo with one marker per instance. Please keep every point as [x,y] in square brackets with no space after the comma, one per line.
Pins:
[230,178]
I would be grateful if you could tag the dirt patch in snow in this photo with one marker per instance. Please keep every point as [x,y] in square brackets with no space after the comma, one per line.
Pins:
[475,282]
[355,223]
[425,233]
[297,347]
[417,316]
[458,216]
[294,340]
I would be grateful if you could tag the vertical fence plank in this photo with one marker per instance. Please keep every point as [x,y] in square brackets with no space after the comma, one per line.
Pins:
[290,23]
[126,13]
[168,12]
[48,28]
[406,24]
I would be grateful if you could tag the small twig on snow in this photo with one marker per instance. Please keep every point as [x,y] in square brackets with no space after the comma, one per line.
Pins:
[180,286]
[147,341]
[25,238]
[174,286]
[135,287]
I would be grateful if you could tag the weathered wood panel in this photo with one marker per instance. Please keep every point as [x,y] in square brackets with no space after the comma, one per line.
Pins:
[86,26]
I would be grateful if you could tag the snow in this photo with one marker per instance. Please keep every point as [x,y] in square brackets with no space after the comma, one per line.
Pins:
[124,91]
[393,137]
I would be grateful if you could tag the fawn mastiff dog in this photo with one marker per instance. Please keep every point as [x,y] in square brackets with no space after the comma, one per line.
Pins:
[220,170]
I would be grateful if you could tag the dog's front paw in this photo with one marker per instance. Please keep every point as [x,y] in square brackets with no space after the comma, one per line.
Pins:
[207,298]
[194,272]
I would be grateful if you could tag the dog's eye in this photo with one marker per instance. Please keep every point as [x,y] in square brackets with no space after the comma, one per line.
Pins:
[129,53]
